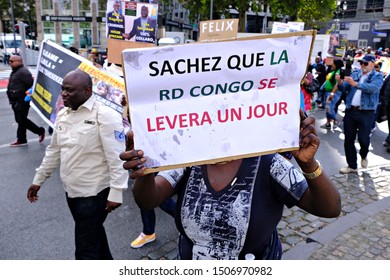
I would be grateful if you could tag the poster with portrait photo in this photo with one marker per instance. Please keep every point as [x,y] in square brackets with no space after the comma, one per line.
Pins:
[337,44]
[115,20]
[139,22]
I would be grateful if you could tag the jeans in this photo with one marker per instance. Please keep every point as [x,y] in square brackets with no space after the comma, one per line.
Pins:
[21,112]
[89,215]
[330,106]
[357,122]
[149,216]
[388,123]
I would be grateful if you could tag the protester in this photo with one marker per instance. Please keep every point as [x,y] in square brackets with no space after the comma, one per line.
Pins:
[148,217]
[20,81]
[86,143]
[332,95]
[362,89]
[307,91]
[385,90]
[317,61]
[321,73]
[231,209]
[94,57]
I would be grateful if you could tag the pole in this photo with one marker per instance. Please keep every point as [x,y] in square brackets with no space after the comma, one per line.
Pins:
[13,24]
[22,32]
[211,9]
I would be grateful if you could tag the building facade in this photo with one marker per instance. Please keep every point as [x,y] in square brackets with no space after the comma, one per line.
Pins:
[363,22]
[82,22]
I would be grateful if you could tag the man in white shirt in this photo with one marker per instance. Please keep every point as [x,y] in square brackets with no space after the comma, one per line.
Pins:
[362,95]
[86,145]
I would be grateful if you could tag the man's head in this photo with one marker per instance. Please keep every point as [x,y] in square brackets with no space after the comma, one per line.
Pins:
[76,88]
[117,6]
[15,61]
[367,63]
[318,59]
[144,12]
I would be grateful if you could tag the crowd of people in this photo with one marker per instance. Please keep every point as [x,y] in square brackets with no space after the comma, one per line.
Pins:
[360,80]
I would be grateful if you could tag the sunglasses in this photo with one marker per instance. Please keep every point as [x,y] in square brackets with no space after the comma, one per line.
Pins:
[364,62]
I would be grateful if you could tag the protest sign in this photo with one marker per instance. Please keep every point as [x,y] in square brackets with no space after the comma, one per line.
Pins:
[337,45]
[132,20]
[217,30]
[53,64]
[209,102]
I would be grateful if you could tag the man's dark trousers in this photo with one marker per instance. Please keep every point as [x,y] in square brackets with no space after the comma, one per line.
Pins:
[89,214]
[21,112]
[357,122]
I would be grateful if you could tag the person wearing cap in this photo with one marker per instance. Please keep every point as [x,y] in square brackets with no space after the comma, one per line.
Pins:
[362,97]
[94,57]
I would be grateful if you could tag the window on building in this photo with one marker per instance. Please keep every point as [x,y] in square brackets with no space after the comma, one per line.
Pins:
[67,33]
[350,12]
[65,5]
[47,5]
[362,44]
[85,34]
[365,26]
[373,6]
[102,8]
[48,27]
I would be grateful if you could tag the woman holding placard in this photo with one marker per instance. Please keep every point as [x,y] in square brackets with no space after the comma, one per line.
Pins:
[231,209]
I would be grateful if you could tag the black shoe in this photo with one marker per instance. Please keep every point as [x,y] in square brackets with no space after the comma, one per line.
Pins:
[42,136]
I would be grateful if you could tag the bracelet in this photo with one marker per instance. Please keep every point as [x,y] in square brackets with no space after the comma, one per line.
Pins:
[315,173]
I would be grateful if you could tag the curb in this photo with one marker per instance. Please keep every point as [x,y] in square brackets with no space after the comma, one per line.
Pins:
[325,236]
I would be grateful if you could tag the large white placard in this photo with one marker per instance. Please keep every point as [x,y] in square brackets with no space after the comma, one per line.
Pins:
[206,102]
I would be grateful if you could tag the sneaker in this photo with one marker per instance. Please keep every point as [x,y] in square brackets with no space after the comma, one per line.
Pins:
[347,170]
[42,137]
[326,125]
[18,144]
[143,239]
[364,162]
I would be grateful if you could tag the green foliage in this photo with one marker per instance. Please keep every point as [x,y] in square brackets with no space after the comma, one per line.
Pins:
[23,11]
[312,12]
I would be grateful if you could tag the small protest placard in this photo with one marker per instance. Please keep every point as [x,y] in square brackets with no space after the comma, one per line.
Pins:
[53,64]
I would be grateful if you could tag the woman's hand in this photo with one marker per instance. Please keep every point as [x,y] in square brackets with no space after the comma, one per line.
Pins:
[134,159]
[308,142]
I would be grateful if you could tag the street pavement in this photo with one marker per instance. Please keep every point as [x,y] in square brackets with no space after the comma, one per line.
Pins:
[362,231]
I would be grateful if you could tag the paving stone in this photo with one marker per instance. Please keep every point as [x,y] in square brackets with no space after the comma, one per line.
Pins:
[369,240]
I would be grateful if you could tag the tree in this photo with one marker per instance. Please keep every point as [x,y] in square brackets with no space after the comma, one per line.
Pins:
[312,12]
[23,11]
